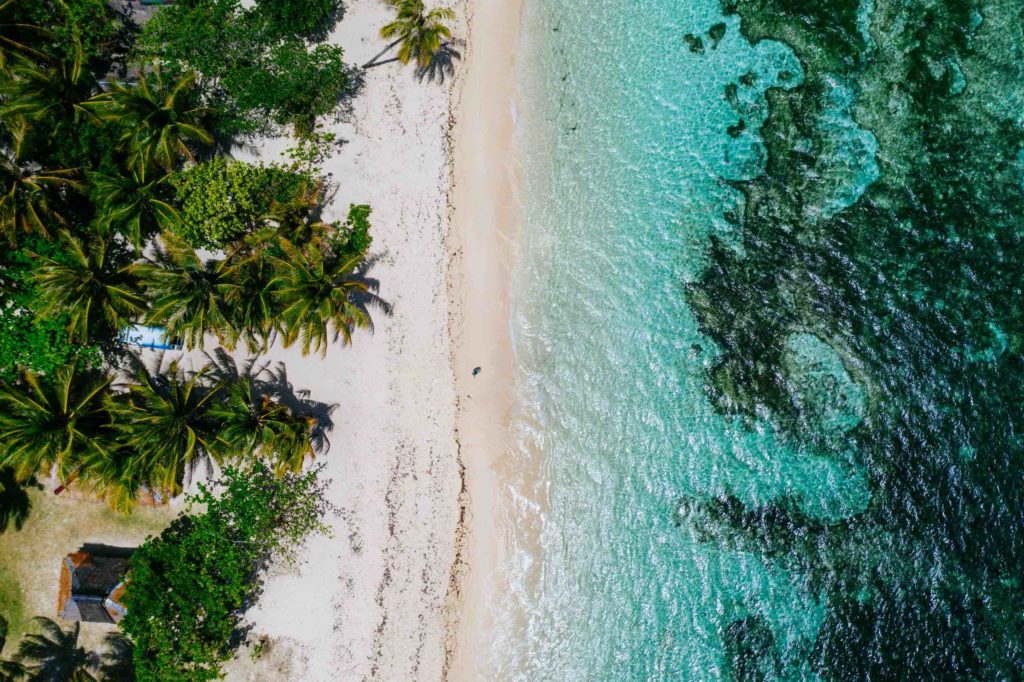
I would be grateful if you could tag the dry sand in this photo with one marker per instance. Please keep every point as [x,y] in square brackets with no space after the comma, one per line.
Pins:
[405,576]
[381,598]
[368,602]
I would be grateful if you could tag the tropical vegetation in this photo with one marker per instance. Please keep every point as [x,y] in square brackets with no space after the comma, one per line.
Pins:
[120,206]
[108,189]
[189,586]
[420,35]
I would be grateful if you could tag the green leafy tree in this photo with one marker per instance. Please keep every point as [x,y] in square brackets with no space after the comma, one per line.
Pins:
[322,297]
[98,296]
[222,200]
[256,73]
[297,18]
[419,34]
[91,24]
[189,588]
[292,85]
[55,421]
[263,427]
[161,120]
[166,425]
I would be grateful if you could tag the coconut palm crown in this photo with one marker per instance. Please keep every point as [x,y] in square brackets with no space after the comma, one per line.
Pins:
[52,422]
[321,297]
[96,294]
[160,119]
[418,33]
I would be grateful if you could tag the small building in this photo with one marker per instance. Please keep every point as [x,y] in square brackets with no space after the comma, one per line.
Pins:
[91,588]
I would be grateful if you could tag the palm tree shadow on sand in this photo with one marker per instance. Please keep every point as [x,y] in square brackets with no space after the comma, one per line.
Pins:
[369,298]
[274,382]
[15,504]
[442,63]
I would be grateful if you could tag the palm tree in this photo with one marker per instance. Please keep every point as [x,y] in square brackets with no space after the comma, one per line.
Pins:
[160,120]
[263,427]
[114,474]
[321,297]
[50,93]
[25,203]
[250,303]
[97,295]
[296,218]
[419,33]
[187,293]
[165,422]
[17,37]
[136,204]
[53,654]
[53,421]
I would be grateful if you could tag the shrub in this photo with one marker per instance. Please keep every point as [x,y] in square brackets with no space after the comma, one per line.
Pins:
[353,236]
[220,200]
[188,588]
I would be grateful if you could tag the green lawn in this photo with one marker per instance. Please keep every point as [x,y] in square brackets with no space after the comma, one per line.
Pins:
[56,525]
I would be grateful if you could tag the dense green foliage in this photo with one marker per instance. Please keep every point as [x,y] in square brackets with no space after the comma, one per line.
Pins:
[189,587]
[122,440]
[38,344]
[301,18]
[255,71]
[91,22]
[913,277]
[222,200]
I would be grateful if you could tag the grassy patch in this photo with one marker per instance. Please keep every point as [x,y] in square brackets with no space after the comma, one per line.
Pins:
[56,525]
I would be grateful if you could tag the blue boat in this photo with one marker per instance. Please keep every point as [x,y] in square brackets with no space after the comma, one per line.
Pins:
[149,337]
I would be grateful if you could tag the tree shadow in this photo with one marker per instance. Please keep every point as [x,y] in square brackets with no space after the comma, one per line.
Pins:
[15,504]
[442,64]
[52,653]
[275,383]
[117,663]
[370,298]
[99,549]
[355,81]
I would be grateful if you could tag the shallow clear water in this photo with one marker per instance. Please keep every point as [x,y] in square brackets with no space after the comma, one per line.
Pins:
[631,140]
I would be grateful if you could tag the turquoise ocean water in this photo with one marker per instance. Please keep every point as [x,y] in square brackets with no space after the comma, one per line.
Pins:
[637,143]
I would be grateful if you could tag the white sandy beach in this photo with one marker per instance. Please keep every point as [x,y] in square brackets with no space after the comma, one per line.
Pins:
[396,591]
[368,602]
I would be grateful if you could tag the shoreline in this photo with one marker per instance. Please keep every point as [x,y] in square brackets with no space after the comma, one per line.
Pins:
[483,226]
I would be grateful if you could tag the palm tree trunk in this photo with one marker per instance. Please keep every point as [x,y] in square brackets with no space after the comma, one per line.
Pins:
[64,486]
[373,62]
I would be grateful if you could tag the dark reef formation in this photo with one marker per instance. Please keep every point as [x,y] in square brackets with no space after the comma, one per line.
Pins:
[888,225]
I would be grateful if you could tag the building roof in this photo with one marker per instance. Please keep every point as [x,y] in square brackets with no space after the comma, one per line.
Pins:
[91,588]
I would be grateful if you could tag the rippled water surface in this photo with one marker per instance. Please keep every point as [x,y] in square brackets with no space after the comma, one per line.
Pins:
[767,319]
